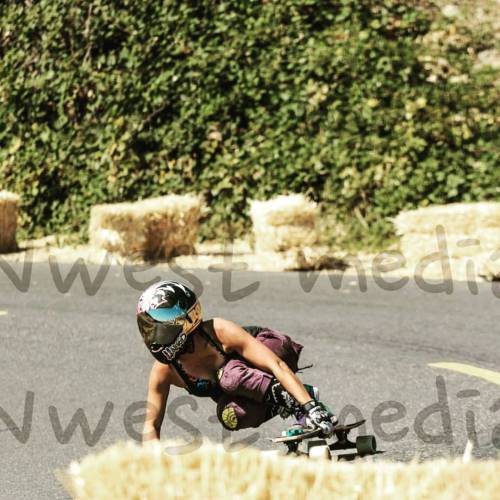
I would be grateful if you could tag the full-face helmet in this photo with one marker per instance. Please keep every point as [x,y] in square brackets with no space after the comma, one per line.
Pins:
[167,313]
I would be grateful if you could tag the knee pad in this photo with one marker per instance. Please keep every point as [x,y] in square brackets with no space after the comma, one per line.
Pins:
[228,417]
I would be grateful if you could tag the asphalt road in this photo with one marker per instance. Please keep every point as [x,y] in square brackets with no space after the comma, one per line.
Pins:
[64,353]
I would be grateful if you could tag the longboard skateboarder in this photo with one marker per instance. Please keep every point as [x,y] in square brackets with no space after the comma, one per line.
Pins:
[250,372]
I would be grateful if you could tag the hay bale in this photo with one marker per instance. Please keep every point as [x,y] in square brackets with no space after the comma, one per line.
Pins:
[303,259]
[489,266]
[283,238]
[149,472]
[284,223]
[289,260]
[415,246]
[456,218]
[307,258]
[471,230]
[149,229]
[9,203]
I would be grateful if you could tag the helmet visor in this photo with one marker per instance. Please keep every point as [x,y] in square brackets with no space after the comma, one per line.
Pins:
[154,332]
[162,326]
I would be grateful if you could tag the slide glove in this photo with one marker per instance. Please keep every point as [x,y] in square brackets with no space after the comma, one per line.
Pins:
[317,416]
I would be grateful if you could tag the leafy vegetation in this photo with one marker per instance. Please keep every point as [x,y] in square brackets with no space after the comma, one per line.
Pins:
[105,101]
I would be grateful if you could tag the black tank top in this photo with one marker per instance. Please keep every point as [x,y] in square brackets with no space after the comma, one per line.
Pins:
[202,387]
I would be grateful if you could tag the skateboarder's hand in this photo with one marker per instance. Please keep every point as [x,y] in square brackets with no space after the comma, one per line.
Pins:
[318,416]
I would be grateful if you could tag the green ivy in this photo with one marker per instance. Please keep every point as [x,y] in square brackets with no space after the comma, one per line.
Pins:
[106,101]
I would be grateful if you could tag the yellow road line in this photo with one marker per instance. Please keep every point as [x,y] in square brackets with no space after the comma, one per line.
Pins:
[490,376]
[3,313]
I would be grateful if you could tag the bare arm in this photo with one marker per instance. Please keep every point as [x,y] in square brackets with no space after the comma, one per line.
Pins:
[158,389]
[235,338]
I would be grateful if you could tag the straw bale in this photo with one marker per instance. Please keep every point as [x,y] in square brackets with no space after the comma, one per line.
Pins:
[284,223]
[282,238]
[308,258]
[151,472]
[489,266]
[456,218]
[290,260]
[8,221]
[433,270]
[415,246]
[293,209]
[151,229]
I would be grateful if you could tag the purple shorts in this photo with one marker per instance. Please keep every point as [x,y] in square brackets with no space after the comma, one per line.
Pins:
[244,386]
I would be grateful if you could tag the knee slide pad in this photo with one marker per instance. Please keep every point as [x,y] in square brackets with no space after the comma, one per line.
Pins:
[228,417]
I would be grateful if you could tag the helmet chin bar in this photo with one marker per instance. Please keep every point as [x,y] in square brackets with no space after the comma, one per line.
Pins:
[170,351]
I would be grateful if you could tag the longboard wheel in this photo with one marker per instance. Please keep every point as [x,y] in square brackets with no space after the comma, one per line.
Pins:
[366,445]
[295,430]
[320,452]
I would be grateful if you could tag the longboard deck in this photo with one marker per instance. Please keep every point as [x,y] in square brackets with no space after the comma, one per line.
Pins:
[348,427]
[316,432]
